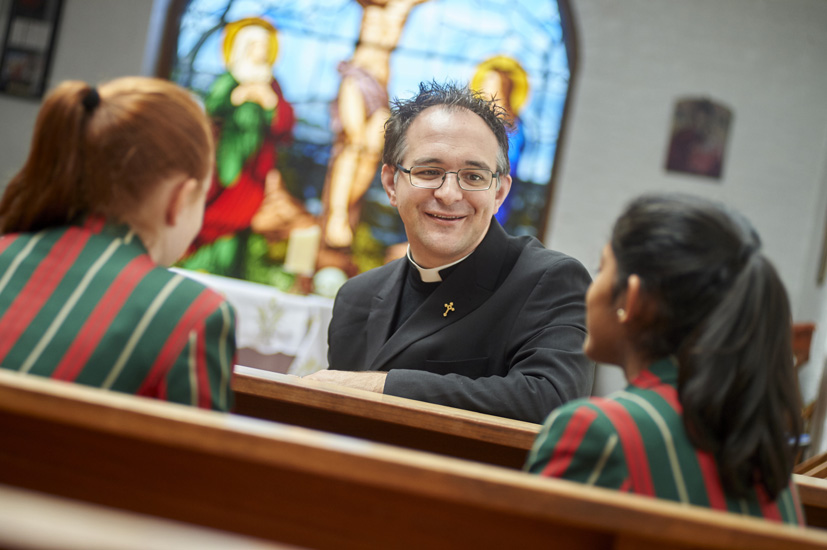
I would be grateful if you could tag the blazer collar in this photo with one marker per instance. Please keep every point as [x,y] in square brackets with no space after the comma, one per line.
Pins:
[470,284]
[383,307]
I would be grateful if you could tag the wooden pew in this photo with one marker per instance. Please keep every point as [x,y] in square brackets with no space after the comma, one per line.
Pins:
[813,493]
[31,520]
[383,418]
[319,490]
[424,426]
[815,466]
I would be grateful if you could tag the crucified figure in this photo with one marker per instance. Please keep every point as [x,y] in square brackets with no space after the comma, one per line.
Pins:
[359,115]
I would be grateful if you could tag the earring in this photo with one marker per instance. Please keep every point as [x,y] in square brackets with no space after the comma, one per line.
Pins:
[621,313]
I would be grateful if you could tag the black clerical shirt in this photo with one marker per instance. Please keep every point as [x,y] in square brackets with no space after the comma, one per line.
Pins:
[414,293]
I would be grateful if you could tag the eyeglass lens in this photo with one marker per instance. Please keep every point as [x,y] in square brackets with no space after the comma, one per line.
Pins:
[469,178]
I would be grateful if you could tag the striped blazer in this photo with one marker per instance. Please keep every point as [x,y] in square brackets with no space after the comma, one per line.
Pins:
[85,303]
[635,441]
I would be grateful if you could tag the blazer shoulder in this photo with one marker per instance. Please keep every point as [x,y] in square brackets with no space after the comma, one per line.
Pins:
[539,257]
[600,413]
[186,290]
[370,280]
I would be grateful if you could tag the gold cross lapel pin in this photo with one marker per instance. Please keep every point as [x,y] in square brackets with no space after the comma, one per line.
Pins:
[448,307]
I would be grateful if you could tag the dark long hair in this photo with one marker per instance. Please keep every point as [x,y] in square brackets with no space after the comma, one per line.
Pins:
[101,151]
[722,310]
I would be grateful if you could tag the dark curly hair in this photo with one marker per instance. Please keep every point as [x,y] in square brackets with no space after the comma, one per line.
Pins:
[450,96]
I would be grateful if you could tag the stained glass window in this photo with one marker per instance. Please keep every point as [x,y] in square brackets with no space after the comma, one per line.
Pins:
[299,90]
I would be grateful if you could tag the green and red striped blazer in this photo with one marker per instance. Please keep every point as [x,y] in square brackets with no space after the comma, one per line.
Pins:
[85,303]
[635,441]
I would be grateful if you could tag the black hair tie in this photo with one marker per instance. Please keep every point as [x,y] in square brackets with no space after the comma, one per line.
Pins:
[91,100]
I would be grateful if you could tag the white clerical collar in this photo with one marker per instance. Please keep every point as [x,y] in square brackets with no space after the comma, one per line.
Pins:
[430,274]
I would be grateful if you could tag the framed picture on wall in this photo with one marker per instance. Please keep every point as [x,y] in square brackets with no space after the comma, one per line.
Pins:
[28,39]
[700,130]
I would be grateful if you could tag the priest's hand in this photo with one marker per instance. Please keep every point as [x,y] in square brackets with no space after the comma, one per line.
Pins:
[370,381]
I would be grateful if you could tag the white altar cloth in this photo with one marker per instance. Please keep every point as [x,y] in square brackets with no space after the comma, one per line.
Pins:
[270,321]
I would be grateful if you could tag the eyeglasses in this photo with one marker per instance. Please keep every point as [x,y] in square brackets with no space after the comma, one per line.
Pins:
[431,177]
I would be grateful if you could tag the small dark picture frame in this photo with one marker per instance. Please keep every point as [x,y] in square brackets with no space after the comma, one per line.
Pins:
[700,131]
[28,41]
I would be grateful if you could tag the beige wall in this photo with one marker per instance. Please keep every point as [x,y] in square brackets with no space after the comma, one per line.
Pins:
[767,60]
[97,40]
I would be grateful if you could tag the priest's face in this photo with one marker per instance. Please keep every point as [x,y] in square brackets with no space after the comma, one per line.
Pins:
[446,224]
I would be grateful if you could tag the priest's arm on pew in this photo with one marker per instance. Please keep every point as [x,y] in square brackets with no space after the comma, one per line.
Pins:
[370,381]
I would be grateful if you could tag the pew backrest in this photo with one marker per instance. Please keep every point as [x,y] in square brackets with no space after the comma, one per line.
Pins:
[31,520]
[815,466]
[320,490]
[383,418]
[813,493]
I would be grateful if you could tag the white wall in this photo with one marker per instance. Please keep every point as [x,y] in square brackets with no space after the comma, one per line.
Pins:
[97,40]
[765,59]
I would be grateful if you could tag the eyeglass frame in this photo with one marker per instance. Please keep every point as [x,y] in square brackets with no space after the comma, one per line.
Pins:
[494,176]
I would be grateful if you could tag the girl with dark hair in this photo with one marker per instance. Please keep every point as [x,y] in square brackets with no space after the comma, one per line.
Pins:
[700,322]
[112,192]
